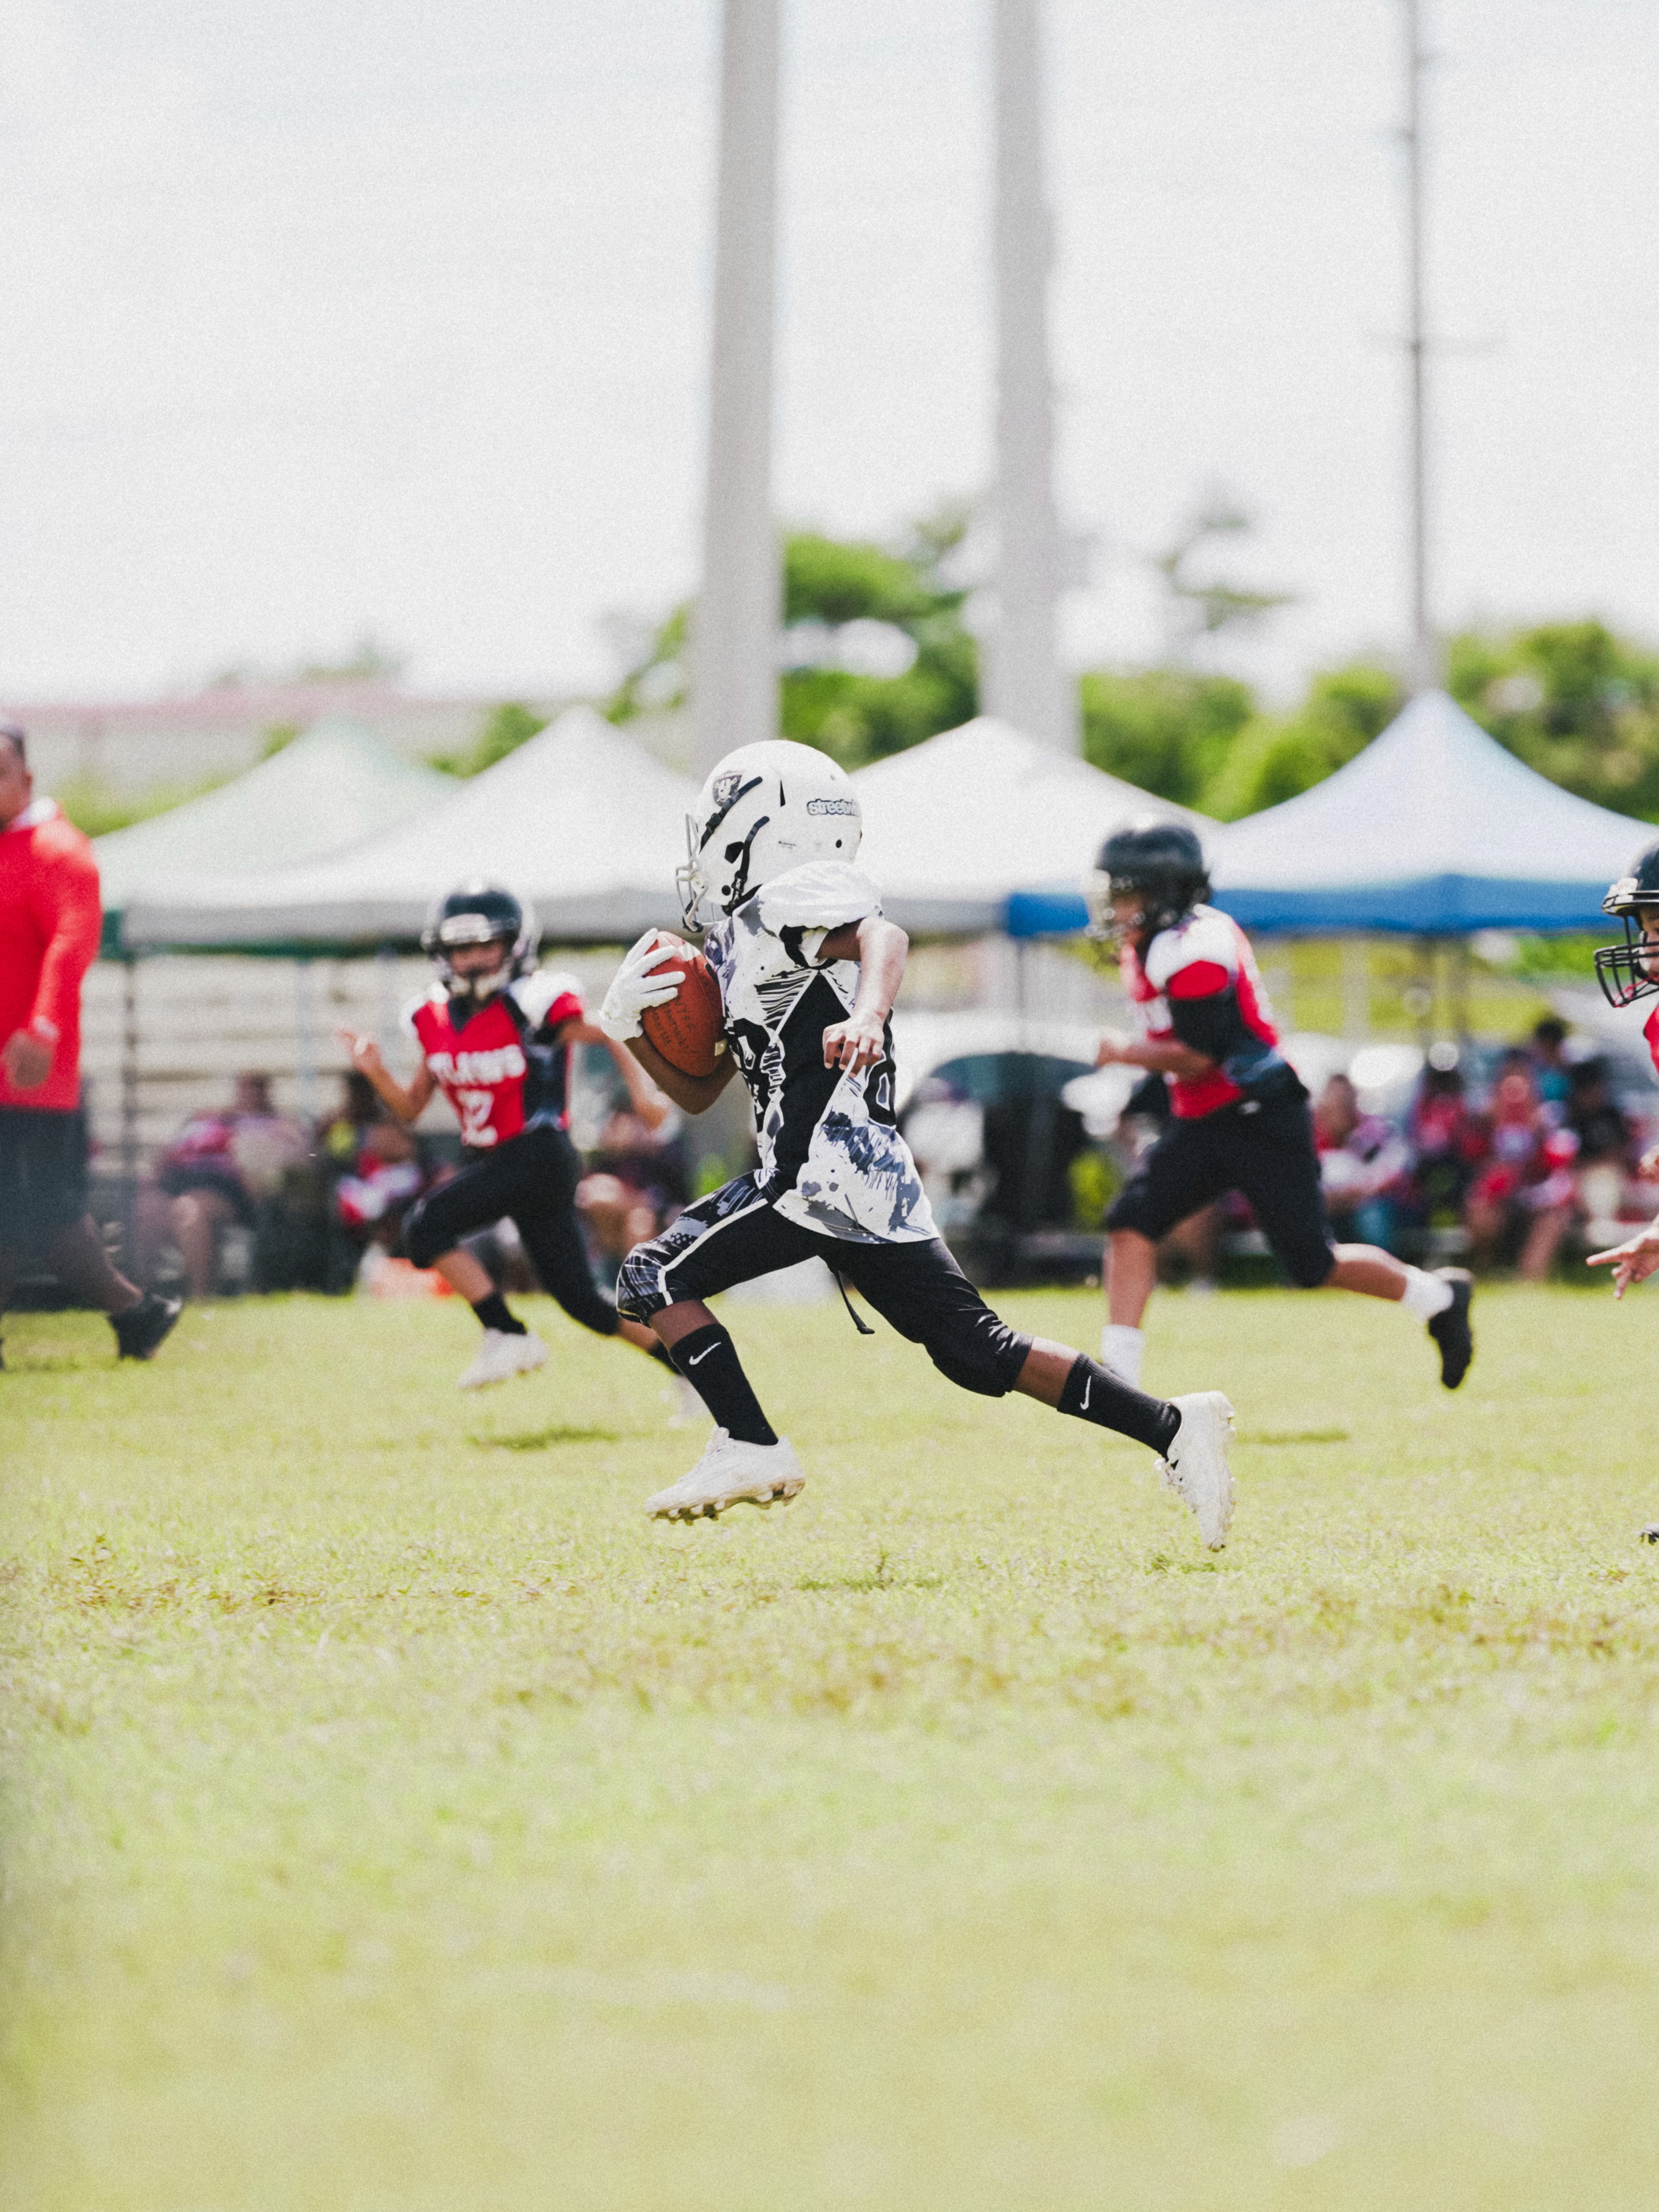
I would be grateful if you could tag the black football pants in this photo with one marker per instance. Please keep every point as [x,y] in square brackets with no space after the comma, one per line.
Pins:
[531,1181]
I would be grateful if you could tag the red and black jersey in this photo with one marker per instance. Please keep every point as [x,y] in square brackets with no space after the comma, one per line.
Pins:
[503,1067]
[1650,1031]
[1198,986]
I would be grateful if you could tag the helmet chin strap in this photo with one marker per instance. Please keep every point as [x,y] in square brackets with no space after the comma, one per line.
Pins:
[739,887]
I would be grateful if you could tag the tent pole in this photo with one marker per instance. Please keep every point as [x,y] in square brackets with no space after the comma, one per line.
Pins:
[305,1042]
[386,996]
[128,1106]
[1458,958]
[1356,989]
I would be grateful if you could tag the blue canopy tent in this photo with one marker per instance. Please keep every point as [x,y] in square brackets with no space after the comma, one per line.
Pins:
[1434,830]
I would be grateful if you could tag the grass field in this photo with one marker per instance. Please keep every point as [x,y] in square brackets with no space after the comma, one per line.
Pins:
[397,1821]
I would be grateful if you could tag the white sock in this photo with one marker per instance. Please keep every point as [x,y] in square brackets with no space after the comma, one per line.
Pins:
[1425,1295]
[1122,1349]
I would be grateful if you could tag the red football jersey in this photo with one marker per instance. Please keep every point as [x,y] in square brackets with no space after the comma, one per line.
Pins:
[1650,1031]
[502,1067]
[1202,956]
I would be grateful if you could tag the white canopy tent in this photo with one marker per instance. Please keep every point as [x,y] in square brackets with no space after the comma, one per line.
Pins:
[959,825]
[581,820]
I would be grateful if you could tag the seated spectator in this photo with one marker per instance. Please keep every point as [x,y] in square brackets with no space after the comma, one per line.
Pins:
[1607,1151]
[636,1181]
[215,1172]
[382,1180]
[1363,1163]
[1446,1141]
[1550,1068]
[1605,1134]
[1522,1200]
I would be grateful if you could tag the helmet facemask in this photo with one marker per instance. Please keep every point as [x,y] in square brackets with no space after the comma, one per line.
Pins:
[496,918]
[1630,971]
[1160,863]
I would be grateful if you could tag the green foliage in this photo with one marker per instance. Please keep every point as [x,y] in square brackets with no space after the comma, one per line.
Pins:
[1165,729]
[1278,757]
[93,806]
[830,582]
[1574,701]
[502,732]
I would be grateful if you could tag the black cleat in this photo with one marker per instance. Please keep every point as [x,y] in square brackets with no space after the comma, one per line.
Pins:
[140,1331]
[1651,1534]
[1450,1328]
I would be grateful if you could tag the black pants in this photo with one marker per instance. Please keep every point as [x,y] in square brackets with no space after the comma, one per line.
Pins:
[1267,1153]
[734,1236]
[532,1180]
[43,1175]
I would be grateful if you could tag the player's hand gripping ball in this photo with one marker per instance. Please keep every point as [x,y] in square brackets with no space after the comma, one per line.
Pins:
[689,1028]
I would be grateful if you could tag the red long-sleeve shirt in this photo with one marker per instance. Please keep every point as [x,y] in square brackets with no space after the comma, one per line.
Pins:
[49,919]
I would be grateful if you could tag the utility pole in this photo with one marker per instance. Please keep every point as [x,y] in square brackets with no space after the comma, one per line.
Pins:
[1024,684]
[734,640]
[1425,672]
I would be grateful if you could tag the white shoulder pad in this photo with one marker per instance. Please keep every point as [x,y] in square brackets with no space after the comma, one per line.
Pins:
[536,991]
[436,996]
[1205,935]
[822,895]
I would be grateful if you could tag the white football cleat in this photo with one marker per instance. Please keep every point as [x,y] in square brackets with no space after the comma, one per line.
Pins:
[730,1473]
[502,1357]
[1196,1469]
[688,1408]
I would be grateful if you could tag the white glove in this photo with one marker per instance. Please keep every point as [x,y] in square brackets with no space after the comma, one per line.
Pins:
[639,982]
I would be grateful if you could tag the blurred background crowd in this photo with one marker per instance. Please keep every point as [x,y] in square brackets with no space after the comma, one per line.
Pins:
[1517,1158]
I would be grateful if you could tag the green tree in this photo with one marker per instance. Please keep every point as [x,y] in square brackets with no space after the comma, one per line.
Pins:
[502,732]
[836,592]
[1572,699]
[1165,729]
[1276,757]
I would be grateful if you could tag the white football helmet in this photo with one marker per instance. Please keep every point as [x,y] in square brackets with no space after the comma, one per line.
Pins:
[766,809]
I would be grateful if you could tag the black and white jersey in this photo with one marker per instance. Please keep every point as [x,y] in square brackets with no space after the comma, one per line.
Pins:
[831,1157]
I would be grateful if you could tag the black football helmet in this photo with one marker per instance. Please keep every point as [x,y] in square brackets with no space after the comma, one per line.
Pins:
[481,913]
[1163,861]
[1630,971]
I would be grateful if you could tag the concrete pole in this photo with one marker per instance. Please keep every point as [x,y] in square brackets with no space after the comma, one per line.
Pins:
[1424,669]
[734,686]
[1023,681]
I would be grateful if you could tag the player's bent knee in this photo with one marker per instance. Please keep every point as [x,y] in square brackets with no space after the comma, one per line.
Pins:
[987,1362]
[639,1292]
[1309,1271]
[424,1241]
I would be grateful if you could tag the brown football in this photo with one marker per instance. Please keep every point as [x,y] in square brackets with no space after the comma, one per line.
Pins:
[687,1032]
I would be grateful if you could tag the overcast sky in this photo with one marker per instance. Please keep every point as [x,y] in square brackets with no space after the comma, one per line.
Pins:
[322,318]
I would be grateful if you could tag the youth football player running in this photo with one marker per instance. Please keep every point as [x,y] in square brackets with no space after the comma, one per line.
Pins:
[808,970]
[495,1034]
[1628,972]
[1240,1118]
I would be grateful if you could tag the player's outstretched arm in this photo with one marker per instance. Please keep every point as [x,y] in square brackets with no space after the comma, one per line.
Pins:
[407,1101]
[881,948]
[1632,1261]
[1162,1056]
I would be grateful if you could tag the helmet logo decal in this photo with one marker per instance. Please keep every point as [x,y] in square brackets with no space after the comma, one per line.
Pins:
[728,790]
[831,806]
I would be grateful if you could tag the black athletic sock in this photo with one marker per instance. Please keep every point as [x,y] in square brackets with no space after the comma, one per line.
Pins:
[663,1356]
[493,1313]
[708,1360]
[1093,1393]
